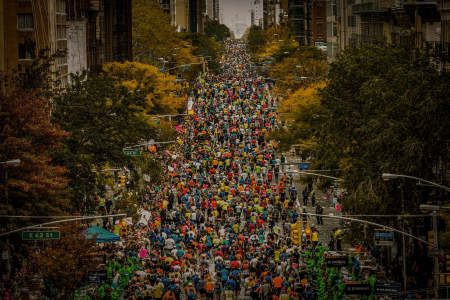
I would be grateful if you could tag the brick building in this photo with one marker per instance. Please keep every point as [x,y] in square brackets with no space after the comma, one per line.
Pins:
[90,32]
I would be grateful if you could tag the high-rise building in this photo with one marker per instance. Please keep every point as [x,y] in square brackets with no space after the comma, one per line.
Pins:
[297,20]
[89,32]
[269,13]
[30,26]
[256,11]
[217,11]
[318,23]
[419,24]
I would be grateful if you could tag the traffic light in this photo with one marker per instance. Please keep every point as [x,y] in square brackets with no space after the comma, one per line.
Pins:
[430,239]
[296,233]
[121,180]
[447,270]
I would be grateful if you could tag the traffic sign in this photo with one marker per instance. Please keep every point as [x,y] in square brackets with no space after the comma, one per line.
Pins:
[132,152]
[384,238]
[96,276]
[336,260]
[384,288]
[40,235]
[305,166]
[357,288]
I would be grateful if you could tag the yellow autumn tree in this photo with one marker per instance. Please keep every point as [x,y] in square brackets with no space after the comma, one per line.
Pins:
[155,40]
[161,89]
[297,110]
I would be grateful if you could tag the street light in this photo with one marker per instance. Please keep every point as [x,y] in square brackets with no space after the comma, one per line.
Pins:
[389,176]
[425,207]
[316,174]
[13,162]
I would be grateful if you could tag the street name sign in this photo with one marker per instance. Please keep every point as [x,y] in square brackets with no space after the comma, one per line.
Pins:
[96,276]
[336,260]
[383,288]
[304,166]
[357,288]
[40,235]
[132,152]
[384,238]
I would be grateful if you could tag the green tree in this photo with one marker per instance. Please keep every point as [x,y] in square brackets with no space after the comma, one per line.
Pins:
[206,47]
[214,29]
[255,39]
[384,109]
[102,117]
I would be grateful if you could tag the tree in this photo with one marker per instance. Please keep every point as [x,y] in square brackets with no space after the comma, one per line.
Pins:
[64,263]
[384,110]
[206,47]
[155,38]
[219,32]
[35,187]
[159,88]
[298,111]
[255,39]
[295,68]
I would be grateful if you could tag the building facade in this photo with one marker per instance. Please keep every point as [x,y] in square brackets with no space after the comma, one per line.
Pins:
[414,23]
[256,12]
[86,33]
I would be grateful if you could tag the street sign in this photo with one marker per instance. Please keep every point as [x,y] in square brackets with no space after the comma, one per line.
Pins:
[132,152]
[40,235]
[435,252]
[336,260]
[305,166]
[357,288]
[384,288]
[97,276]
[384,238]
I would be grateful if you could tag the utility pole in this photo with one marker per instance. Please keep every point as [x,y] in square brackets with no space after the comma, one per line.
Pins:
[435,257]
[403,242]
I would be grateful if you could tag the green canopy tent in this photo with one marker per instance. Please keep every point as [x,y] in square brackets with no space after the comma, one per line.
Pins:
[101,234]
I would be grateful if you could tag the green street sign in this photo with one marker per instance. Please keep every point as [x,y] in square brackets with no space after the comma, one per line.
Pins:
[132,152]
[40,235]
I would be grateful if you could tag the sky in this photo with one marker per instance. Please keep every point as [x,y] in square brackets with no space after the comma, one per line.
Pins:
[236,15]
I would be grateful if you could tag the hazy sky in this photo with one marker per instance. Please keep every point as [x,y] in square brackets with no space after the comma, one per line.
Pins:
[236,15]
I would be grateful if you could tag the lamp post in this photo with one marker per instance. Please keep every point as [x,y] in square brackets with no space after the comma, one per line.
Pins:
[434,209]
[13,163]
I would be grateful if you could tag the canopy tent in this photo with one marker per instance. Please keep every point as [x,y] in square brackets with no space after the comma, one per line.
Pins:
[102,235]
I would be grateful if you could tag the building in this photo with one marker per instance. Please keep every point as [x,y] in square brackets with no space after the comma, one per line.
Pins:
[89,33]
[256,12]
[29,26]
[415,23]
[269,13]
[332,26]
[319,23]
[297,20]
[284,12]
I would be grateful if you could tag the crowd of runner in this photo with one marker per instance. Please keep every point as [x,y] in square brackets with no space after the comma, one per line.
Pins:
[219,227]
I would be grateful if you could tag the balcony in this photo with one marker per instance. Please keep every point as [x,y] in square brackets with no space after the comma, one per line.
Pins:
[94,5]
[372,7]
[419,2]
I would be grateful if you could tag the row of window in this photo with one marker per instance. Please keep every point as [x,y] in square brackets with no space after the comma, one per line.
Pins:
[26,22]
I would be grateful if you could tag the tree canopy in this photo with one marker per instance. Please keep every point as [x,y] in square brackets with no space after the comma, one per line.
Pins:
[219,32]
[36,186]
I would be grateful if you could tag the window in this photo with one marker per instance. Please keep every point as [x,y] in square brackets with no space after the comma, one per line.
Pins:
[27,49]
[61,32]
[25,22]
[61,6]
[351,21]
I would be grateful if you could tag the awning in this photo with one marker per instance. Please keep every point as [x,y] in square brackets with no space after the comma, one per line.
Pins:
[102,235]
